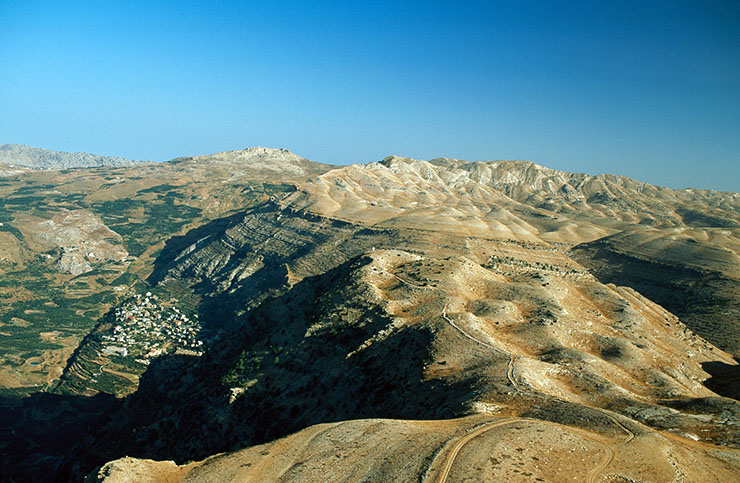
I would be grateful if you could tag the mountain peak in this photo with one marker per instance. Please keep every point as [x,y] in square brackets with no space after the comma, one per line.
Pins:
[250,155]
[260,159]
[260,151]
[393,159]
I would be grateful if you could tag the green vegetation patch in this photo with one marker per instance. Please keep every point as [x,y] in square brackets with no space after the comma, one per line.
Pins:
[143,223]
[11,229]
[278,188]
[5,215]
[162,188]
[25,201]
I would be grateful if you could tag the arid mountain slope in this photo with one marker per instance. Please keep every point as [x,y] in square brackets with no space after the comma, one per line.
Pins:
[503,449]
[407,320]
[509,199]
[343,310]
[280,164]
[695,232]
[603,196]
[694,273]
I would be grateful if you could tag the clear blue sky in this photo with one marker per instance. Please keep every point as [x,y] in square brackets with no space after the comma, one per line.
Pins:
[647,89]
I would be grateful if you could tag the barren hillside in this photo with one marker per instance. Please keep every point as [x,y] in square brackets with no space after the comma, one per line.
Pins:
[400,320]
[422,291]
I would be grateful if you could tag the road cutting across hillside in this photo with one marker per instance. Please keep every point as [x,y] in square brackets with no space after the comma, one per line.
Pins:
[443,473]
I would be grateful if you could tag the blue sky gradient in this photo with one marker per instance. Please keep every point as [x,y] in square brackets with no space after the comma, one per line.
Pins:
[650,90]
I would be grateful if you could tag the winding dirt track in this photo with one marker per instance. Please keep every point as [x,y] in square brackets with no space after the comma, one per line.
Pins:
[594,475]
[453,324]
[596,472]
[510,372]
[630,434]
[445,471]
[510,366]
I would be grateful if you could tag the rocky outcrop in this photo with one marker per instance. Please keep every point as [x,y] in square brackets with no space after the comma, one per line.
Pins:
[132,470]
[84,241]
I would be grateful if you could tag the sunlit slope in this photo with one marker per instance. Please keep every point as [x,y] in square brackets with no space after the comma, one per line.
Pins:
[510,295]
[693,231]
[478,448]
[370,322]
[508,199]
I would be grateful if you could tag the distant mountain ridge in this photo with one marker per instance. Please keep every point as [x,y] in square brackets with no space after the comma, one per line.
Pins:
[40,158]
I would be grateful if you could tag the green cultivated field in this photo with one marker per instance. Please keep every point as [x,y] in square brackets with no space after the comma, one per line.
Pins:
[45,312]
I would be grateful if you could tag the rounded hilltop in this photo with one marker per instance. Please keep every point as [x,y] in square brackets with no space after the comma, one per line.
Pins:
[250,153]
[269,160]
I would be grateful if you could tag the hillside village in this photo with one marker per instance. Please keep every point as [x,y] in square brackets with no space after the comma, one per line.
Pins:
[145,328]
